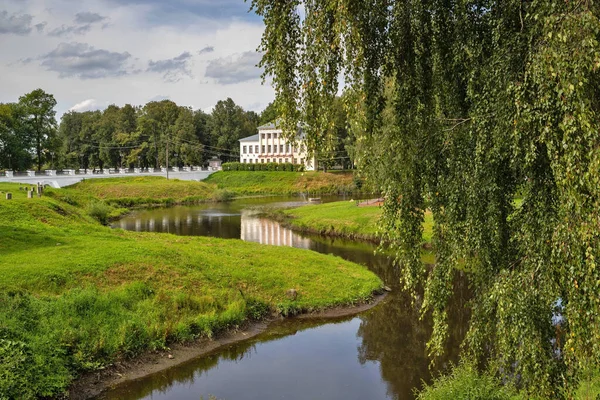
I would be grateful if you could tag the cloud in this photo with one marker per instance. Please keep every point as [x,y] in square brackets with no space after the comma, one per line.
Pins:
[83,24]
[159,97]
[16,24]
[88,18]
[207,49]
[185,12]
[68,30]
[173,69]
[40,27]
[235,69]
[84,61]
[86,105]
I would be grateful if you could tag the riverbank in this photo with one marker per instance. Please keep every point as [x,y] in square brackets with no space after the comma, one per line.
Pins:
[77,296]
[248,183]
[341,219]
[150,363]
[144,191]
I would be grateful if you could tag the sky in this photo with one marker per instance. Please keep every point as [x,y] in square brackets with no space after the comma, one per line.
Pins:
[93,53]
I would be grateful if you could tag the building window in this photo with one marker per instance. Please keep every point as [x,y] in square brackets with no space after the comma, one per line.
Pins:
[244,151]
[288,148]
[268,136]
[302,161]
[262,161]
[268,160]
[262,135]
[295,161]
[274,136]
[281,148]
[280,160]
[263,149]
[269,149]
[250,148]
[286,160]
[244,161]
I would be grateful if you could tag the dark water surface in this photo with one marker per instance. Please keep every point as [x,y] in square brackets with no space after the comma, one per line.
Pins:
[379,354]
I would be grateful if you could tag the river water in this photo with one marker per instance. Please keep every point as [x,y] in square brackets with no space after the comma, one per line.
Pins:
[379,354]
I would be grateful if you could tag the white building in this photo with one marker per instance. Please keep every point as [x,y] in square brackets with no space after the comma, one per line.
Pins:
[269,146]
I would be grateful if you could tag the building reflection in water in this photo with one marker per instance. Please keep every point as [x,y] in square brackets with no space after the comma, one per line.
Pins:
[245,226]
[264,231]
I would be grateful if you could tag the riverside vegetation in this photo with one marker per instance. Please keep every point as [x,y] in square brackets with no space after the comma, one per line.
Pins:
[76,296]
[343,218]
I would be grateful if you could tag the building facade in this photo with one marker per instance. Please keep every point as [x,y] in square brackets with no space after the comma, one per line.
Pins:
[269,146]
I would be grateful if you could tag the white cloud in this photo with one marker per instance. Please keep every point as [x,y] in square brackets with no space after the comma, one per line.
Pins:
[112,65]
[87,105]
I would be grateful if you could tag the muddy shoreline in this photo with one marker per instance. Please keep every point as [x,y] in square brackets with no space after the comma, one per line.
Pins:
[95,383]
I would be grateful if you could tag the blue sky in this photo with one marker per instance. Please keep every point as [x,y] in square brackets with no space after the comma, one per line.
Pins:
[92,53]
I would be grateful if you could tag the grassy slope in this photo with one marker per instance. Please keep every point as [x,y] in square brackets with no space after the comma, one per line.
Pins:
[342,218]
[144,190]
[75,296]
[274,182]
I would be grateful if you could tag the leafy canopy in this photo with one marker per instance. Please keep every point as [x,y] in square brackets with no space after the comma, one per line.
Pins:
[461,107]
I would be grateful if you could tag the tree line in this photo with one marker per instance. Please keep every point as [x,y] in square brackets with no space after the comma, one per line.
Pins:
[134,136]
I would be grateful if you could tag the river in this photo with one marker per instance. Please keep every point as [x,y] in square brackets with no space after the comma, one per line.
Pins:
[379,354]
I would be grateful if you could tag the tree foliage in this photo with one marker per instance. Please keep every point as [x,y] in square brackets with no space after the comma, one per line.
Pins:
[485,112]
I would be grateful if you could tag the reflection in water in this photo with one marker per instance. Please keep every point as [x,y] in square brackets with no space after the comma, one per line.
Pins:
[379,355]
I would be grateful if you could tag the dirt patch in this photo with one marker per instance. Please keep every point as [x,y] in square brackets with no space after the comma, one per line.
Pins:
[371,203]
[97,382]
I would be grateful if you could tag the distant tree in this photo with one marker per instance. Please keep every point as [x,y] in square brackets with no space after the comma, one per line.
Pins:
[269,114]
[14,141]
[40,121]
[185,143]
[228,124]
[201,126]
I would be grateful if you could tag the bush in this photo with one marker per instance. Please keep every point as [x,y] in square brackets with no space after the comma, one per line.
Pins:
[99,210]
[237,166]
[466,384]
[223,195]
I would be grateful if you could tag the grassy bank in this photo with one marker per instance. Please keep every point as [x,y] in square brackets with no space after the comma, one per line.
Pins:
[283,183]
[465,382]
[76,296]
[147,190]
[343,218]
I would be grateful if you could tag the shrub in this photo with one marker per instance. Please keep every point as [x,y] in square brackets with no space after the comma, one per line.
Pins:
[237,166]
[466,384]
[223,195]
[99,210]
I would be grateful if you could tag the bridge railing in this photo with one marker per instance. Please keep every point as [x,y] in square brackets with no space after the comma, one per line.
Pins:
[107,171]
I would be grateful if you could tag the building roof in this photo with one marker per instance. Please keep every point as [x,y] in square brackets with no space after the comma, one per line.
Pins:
[253,138]
[270,125]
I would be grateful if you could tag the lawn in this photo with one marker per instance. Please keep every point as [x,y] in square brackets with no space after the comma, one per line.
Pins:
[76,296]
[145,190]
[284,183]
[343,218]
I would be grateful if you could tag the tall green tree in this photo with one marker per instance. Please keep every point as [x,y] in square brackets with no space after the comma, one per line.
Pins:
[269,114]
[15,143]
[462,107]
[229,123]
[40,120]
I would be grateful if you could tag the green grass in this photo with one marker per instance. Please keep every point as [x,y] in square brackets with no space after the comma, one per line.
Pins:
[342,218]
[283,183]
[465,383]
[76,296]
[149,190]
[589,388]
